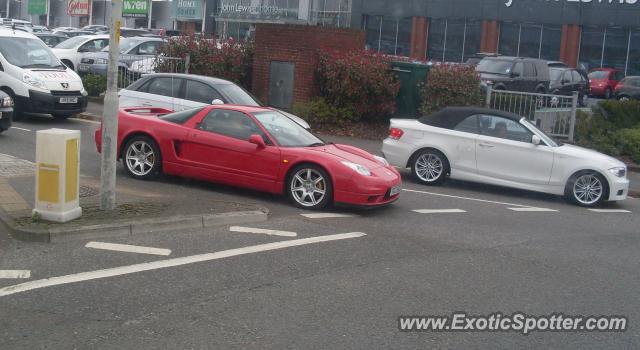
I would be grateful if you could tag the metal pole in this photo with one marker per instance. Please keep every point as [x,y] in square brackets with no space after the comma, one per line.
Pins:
[204,15]
[110,114]
[8,8]
[48,11]
[487,99]
[574,108]
[150,14]
[90,12]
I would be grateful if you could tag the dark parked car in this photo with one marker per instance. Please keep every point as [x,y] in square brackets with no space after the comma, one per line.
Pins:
[557,64]
[603,81]
[6,111]
[515,73]
[474,59]
[566,81]
[628,88]
[51,39]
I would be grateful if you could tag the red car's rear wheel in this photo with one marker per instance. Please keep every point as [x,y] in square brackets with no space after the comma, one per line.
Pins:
[309,187]
[142,158]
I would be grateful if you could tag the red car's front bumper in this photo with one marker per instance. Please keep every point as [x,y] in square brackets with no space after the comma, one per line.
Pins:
[370,191]
[596,90]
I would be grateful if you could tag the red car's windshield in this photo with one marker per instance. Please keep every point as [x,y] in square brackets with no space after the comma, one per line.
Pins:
[599,74]
[287,132]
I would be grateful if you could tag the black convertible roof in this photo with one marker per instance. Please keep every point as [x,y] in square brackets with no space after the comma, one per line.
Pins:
[449,117]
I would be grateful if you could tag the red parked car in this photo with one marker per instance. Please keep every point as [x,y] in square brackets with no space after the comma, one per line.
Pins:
[253,147]
[603,81]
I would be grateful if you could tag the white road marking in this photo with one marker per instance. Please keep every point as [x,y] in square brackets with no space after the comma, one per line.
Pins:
[326,215]
[17,128]
[162,264]
[609,211]
[533,209]
[128,248]
[469,199]
[439,211]
[15,274]
[262,231]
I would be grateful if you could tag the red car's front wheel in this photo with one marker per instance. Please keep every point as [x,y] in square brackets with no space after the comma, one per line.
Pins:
[309,187]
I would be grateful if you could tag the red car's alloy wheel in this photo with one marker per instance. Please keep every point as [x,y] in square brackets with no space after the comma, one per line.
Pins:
[142,158]
[309,187]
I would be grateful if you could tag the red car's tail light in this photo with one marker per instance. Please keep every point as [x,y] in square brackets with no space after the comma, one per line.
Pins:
[395,133]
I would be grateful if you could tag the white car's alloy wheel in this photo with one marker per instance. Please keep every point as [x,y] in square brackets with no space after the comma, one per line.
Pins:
[588,189]
[429,167]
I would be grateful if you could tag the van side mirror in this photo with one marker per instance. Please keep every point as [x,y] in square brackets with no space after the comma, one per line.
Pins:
[535,139]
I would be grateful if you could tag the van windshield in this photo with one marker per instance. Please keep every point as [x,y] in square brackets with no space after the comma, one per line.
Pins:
[28,53]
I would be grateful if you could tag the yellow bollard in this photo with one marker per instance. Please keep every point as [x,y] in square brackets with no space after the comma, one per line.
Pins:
[58,175]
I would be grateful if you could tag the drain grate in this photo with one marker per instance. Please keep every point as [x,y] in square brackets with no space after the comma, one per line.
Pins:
[86,191]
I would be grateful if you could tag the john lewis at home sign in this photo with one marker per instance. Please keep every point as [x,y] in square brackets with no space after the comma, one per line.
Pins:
[508,3]
[187,9]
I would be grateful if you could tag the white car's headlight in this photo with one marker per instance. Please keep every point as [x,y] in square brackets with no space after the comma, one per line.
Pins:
[619,171]
[381,160]
[101,61]
[360,169]
[6,102]
[34,81]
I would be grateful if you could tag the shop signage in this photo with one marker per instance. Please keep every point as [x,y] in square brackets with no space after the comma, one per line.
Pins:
[187,9]
[135,8]
[249,9]
[37,7]
[509,3]
[78,7]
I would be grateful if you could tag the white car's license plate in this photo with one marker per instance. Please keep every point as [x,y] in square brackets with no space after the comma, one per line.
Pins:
[68,100]
[83,67]
[394,191]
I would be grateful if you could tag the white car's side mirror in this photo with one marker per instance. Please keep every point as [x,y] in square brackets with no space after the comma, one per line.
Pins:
[535,139]
[217,101]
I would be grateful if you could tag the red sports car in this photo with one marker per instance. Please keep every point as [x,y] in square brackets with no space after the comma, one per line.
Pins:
[254,147]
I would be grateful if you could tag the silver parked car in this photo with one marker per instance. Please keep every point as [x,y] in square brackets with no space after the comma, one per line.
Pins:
[131,50]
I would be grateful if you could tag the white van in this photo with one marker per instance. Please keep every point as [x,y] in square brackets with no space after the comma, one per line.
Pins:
[36,79]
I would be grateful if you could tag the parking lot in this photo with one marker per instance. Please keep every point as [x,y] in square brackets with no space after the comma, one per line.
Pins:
[335,279]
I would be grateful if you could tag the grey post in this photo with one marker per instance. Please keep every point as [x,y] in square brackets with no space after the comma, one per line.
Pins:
[574,110]
[187,62]
[488,97]
[110,114]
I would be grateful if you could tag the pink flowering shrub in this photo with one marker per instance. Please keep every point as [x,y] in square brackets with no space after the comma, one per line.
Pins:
[360,81]
[231,60]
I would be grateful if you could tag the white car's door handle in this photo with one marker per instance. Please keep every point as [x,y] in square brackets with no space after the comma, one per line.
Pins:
[146,104]
[486,145]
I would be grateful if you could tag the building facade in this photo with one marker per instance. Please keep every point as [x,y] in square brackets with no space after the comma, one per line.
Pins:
[585,33]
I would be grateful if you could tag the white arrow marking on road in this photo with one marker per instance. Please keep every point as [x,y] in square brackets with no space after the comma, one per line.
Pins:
[262,231]
[128,248]
[163,264]
[326,215]
[15,274]
[17,128]
[609,211]
[532,209]
[439,211]
[467,198]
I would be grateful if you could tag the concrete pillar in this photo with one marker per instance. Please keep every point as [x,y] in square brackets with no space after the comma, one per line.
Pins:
[570,44]
[490,36]
[419,35]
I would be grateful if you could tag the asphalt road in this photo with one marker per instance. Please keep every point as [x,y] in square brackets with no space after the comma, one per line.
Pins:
[321,291]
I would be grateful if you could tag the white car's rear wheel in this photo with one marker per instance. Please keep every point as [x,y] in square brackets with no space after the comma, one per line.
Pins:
[430,167]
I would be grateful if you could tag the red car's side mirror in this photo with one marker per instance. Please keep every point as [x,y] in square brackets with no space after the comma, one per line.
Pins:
[257,140]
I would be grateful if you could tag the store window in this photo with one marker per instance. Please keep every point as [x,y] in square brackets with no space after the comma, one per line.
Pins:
[591,47]
[473,30]
[633,64]
[437,39]
[615,48]
[509,39]
[530,38]
[388,35]
[455,40]
[551,38]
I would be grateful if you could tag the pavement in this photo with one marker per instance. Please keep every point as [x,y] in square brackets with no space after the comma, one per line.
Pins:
[336,280]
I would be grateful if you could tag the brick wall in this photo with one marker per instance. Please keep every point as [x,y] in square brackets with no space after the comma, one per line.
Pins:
[300,45]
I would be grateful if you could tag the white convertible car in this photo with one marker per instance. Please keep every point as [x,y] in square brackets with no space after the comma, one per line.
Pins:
[500,148]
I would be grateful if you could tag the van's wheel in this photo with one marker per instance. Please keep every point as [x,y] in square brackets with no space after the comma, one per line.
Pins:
[68,64]
[309,187]
[61,116]
[430,167]
[17,115]
[142,158]
[587,189]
